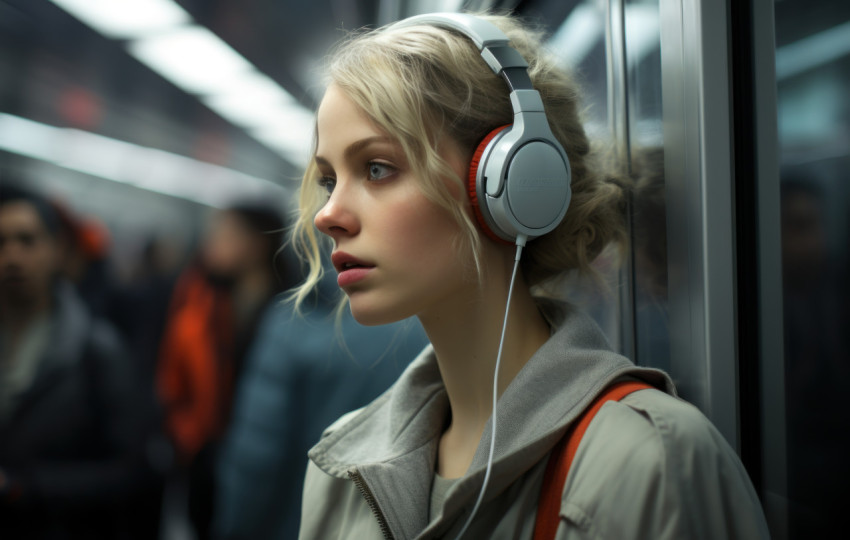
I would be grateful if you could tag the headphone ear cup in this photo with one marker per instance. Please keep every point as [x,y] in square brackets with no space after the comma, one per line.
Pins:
[479,207]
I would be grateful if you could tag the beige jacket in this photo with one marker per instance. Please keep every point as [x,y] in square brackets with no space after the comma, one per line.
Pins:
[649,466]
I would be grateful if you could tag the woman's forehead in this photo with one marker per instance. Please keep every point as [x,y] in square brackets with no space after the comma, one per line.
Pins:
[341,122]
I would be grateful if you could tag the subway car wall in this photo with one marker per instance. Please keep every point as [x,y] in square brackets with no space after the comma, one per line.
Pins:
[164,138]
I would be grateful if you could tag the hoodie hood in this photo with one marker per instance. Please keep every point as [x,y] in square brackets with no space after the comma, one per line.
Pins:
[392,443]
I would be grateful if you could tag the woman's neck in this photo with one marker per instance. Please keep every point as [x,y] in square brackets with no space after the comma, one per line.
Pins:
[465,336]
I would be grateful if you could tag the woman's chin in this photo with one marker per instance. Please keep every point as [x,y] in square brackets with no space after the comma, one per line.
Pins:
[372,315]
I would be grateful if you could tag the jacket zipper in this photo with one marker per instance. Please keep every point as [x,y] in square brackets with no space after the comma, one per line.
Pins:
[373,504]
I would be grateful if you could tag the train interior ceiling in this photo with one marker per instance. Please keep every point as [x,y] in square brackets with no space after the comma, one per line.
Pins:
[145,115]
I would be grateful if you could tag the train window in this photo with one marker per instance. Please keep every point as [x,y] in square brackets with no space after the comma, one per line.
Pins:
[613,49]
[648,210]
[813,81]
[579,37]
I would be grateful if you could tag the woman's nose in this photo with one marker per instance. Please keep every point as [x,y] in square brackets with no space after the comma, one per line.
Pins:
[337,217]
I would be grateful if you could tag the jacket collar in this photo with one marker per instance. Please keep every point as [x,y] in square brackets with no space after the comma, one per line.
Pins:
[392,443]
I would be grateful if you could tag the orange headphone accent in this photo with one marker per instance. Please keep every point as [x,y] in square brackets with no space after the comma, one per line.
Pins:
[471,187]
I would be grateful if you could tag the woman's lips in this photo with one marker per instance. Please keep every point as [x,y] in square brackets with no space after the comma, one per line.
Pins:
[352,275]
[350,268]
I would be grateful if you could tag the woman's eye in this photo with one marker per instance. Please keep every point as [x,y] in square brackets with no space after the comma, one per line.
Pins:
[328,183]
[379,171]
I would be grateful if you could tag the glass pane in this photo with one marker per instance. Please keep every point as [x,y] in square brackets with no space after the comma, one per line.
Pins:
[646,145]
[579,43]
[641,283]
[813,76]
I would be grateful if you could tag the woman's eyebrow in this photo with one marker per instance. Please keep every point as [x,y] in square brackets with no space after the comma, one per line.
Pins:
[354,147]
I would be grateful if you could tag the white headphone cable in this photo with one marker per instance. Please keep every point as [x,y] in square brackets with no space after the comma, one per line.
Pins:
[520,243]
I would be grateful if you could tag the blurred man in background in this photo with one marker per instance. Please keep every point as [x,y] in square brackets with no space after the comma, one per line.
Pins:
[71,456]
[215,310]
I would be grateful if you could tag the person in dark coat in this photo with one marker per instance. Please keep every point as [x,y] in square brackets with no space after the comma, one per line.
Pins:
[70,449]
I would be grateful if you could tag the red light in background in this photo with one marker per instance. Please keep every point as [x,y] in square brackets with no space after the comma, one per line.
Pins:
[80,108]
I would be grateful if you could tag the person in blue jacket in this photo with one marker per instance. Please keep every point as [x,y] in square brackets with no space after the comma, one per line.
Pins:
[305,370]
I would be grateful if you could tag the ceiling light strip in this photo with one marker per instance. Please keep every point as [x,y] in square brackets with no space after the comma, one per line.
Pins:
[126,19]
[813,51]
[165,38]
[127,163]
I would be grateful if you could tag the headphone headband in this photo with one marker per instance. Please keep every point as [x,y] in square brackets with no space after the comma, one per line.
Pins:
[493,44]
[482,32]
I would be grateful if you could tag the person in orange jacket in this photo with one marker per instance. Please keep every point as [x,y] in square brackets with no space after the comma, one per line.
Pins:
[214,312]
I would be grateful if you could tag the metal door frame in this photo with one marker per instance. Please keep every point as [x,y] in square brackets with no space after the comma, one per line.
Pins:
[700,217]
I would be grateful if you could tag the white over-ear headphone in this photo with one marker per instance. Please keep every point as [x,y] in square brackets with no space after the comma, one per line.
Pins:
[519,177]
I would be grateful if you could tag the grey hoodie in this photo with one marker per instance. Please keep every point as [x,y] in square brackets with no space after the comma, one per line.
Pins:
[649,466]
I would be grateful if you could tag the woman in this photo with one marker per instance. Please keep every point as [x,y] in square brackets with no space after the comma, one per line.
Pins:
[397,132]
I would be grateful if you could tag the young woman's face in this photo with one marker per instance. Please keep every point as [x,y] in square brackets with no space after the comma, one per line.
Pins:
[393,247]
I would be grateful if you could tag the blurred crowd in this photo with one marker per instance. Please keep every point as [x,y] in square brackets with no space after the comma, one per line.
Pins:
[178,403]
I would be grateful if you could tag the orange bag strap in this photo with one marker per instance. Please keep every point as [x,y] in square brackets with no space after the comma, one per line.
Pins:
[561,458]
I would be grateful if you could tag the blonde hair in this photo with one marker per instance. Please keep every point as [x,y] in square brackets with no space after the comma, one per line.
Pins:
[420,84]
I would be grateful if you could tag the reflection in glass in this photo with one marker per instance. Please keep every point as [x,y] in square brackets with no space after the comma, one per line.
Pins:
[649,233]
[579,43]
[814,126]
[649,215]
